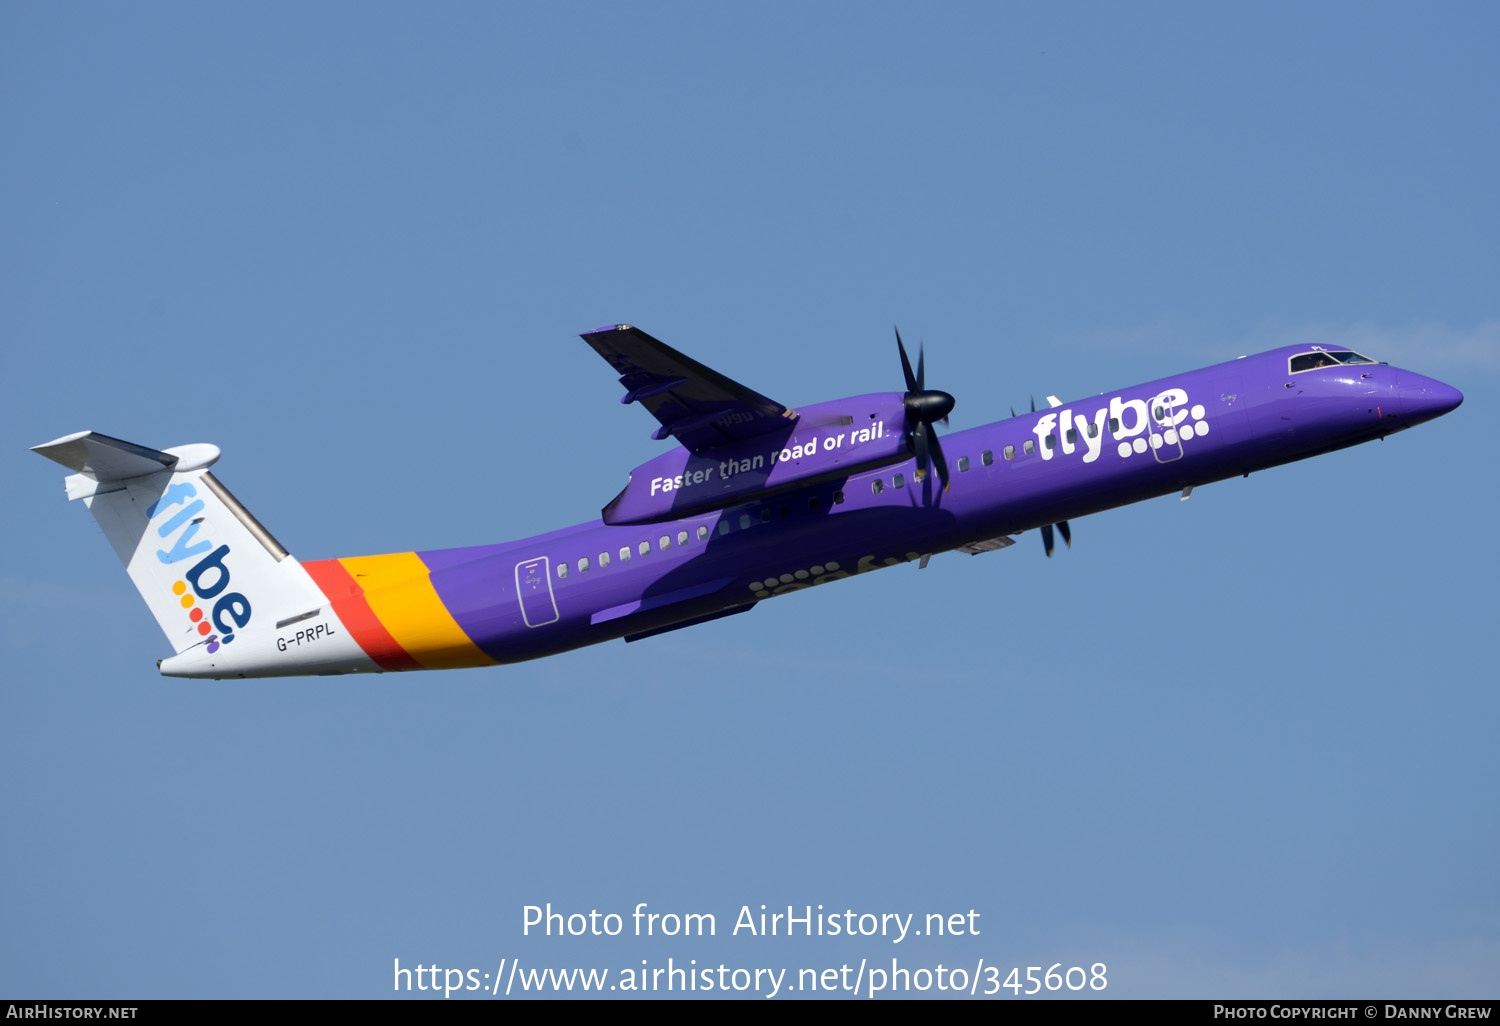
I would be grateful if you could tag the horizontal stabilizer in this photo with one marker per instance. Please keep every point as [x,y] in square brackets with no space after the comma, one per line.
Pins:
[104,458]
[104,463]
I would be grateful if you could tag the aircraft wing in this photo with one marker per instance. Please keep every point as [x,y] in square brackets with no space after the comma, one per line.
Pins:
[699,406]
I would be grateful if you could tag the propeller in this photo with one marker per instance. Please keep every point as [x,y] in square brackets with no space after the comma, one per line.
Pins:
[924,407]
[1062,527]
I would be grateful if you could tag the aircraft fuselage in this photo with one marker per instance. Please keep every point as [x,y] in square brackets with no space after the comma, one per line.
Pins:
[594,582]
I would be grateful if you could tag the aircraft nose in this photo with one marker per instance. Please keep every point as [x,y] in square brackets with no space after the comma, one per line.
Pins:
[1422,399]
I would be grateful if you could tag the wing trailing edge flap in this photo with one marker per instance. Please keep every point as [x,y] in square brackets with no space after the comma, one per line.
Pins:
[668,599]
[651,602]
[691,623]
[697,405]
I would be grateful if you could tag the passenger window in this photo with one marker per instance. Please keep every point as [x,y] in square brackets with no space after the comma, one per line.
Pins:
[1093,430]
[583,563]
[765,515]
[562,570]
[645,548]
[812,504]
[1029,447]
[1010,452]
[702,532]
[724,526]
[987,457]
[785,511]
[877,486]
[1072,436]
[745,521]
[682,537]
[1114,425]
[963,464]
[838,497]
[898,481]
[603,560]
[664,543]
[1050,441]
[624,553]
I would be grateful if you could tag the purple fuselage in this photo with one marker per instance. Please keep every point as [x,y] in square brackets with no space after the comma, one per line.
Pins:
[1007,477]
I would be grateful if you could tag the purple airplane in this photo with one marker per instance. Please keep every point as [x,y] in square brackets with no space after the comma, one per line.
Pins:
[755,501]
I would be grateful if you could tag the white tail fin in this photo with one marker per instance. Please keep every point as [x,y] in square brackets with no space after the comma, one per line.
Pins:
[207,569]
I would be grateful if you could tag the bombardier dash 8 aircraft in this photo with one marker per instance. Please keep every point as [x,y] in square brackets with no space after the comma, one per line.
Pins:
[757,500]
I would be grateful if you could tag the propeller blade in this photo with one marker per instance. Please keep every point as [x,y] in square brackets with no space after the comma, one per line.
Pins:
[1047,538]
[1013,410]
[920,437]
[911,379]
[921,366]
[1033,404]
[937,457]
[1062,528]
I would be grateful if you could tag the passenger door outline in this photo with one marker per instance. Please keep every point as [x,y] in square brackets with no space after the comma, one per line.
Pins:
[1163,414]
[534,592]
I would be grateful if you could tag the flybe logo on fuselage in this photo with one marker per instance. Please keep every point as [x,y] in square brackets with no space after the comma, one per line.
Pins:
[205,581]
[1133,426]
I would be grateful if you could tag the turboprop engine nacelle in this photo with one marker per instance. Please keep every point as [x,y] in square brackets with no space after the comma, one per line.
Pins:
[829,441]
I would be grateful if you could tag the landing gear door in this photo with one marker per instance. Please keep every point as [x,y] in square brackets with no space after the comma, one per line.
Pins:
[534,589]
[1165,411]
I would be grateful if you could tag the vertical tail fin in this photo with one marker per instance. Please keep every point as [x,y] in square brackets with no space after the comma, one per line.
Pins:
[209,572]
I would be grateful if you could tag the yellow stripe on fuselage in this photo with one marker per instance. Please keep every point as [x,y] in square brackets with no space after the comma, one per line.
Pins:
[403,599]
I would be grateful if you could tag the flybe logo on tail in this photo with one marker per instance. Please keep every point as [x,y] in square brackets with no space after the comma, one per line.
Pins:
[208,579]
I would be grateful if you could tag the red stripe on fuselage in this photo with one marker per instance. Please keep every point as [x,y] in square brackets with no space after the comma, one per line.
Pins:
[349,603]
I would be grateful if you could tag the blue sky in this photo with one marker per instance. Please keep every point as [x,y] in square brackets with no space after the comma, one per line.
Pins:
[1238,747]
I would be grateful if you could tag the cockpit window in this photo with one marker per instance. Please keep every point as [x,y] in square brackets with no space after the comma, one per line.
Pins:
[1312,361]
